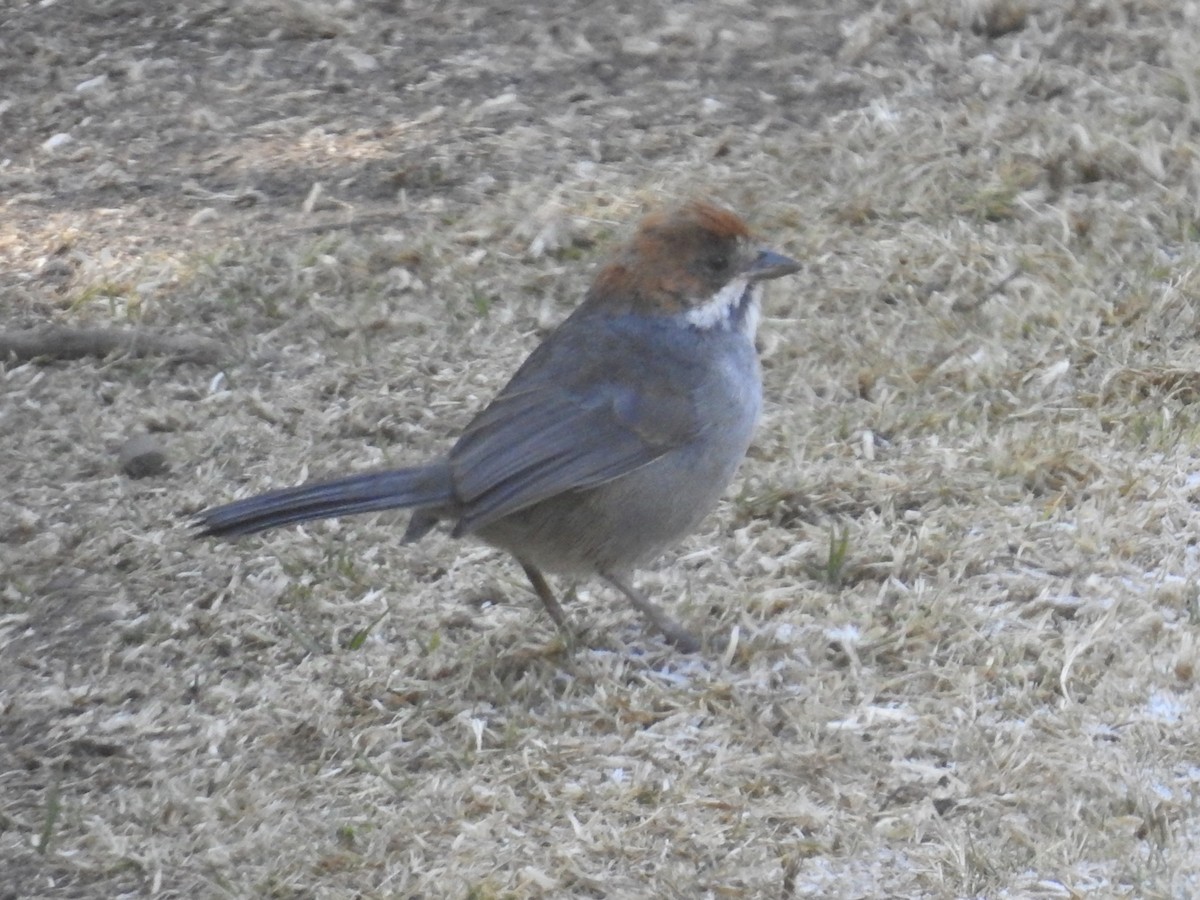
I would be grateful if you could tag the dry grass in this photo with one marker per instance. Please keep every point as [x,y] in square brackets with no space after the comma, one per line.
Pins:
[959,567]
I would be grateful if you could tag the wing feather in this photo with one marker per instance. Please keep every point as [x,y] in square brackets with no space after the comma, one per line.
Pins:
[569,421]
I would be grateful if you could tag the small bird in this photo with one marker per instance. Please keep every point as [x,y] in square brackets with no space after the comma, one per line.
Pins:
[614,438]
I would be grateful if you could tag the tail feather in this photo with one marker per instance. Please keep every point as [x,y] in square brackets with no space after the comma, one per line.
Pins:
[420,486]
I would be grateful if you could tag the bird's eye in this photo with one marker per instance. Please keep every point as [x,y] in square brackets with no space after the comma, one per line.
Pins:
[717,264]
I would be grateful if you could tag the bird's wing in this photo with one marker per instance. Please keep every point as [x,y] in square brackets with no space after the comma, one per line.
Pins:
[570,420]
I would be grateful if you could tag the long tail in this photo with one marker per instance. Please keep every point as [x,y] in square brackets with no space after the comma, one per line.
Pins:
[397,489]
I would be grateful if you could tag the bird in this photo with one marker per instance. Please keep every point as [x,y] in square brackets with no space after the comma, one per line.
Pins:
[614,438]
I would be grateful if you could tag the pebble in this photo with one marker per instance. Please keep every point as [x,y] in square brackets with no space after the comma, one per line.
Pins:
[142,456]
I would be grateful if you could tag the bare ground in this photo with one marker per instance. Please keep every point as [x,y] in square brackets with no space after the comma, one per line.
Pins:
[958,570]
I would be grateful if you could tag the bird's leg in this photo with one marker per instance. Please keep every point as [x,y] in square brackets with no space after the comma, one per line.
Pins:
[542,589]
[675,633]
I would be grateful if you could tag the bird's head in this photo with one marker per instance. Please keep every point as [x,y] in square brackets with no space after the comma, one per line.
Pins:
[697,263]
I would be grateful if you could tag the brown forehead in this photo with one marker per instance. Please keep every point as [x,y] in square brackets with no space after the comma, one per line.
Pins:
[696,219]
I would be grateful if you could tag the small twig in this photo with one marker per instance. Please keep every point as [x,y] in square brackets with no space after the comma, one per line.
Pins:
[973,303]
[62,342]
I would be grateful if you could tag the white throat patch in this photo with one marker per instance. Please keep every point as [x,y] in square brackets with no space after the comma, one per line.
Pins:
[720,311]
